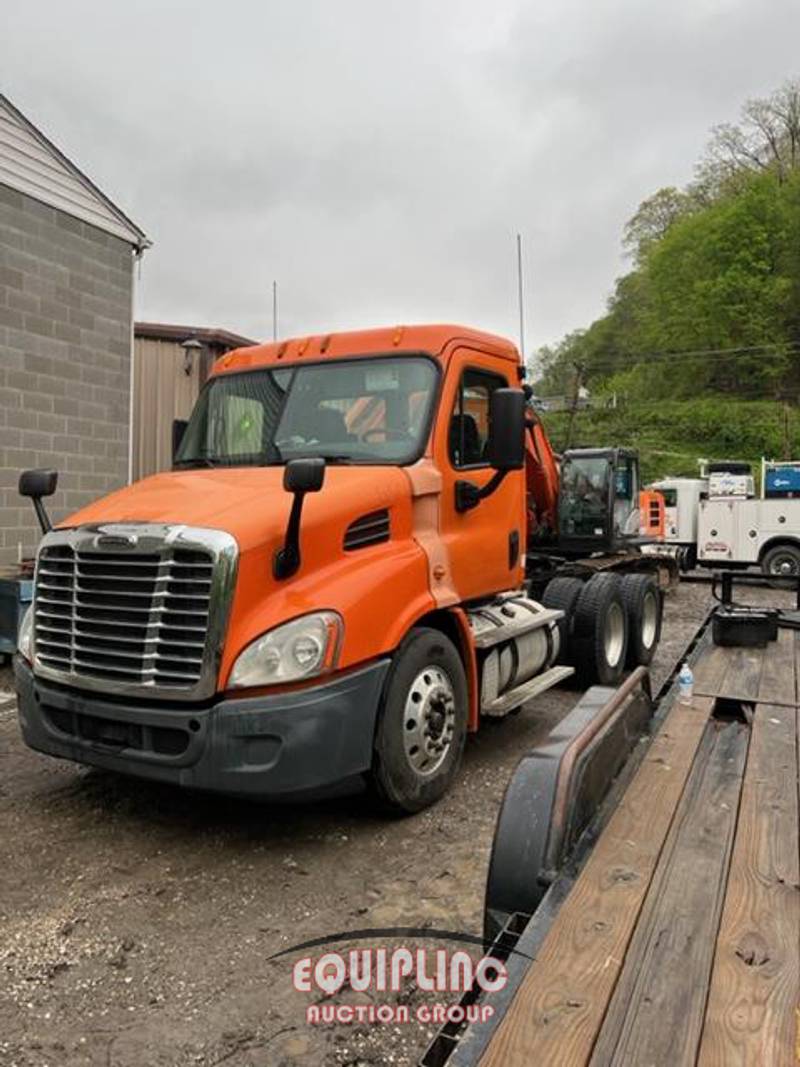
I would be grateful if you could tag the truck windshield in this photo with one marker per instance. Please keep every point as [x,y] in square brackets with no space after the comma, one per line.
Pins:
[373,411]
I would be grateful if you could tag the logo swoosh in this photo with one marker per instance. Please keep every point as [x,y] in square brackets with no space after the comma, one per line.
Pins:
[370,933]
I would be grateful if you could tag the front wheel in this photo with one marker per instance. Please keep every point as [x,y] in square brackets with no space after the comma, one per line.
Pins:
[422,723]
[782,561]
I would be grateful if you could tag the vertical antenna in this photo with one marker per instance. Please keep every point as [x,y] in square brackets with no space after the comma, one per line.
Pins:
[274,311]
[521,298]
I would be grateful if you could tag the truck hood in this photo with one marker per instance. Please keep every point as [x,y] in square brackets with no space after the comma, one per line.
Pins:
[248,502]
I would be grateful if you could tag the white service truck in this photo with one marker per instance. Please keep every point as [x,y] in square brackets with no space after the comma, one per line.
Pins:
[717,520]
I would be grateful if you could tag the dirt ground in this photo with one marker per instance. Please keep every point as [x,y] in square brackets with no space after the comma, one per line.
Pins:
[136,921]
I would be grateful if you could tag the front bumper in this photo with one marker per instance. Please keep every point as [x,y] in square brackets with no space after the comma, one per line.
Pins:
[270,746]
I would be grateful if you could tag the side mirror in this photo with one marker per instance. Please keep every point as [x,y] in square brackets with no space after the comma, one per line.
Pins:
[300,476]
[178,430]
[506,445]
[37,484]
[304,475]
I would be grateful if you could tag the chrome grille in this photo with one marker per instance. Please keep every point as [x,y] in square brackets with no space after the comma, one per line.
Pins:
[124,619]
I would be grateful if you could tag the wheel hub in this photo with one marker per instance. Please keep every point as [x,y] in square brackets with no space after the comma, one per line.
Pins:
[649,620]
[614,635]
[430,715]
[784,565]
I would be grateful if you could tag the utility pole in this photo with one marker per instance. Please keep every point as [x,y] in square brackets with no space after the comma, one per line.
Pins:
[274,311]
[576,393]
[787,436]
[521,298]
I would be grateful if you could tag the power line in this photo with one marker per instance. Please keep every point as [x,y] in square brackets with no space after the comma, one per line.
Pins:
[663,355]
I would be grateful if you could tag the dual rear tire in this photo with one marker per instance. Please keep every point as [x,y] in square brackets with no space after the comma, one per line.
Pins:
[610,623]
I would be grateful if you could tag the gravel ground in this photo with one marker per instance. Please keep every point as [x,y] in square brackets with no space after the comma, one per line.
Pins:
[137,921]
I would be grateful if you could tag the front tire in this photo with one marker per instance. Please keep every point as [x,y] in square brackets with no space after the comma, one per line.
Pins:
[422,723]
[782,560]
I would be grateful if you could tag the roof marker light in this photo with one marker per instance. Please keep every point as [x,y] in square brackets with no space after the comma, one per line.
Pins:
[398,334]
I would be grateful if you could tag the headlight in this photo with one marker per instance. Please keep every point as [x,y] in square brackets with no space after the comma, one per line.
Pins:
[300,649]
[25,636]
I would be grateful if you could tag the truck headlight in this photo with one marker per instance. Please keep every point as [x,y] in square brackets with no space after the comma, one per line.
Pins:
[25,636]
[300,649]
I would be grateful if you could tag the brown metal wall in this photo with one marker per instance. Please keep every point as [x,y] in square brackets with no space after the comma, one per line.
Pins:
[162,392]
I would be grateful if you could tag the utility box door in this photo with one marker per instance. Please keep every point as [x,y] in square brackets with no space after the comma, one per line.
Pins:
[717,531]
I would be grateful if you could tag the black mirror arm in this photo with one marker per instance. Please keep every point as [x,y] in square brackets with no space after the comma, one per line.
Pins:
[41,515]
[286,560]
[469,495]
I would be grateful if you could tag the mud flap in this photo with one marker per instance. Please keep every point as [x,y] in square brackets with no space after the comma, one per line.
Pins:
[555,792]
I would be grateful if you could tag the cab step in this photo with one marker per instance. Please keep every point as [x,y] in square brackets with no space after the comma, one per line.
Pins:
[506,702]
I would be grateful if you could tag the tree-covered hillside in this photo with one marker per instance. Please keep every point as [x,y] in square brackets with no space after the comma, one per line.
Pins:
[700,346]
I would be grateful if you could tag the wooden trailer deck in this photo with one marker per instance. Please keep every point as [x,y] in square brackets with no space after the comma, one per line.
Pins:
[679,943]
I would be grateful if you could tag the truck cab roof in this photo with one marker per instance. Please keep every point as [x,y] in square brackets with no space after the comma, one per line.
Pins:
[433,340]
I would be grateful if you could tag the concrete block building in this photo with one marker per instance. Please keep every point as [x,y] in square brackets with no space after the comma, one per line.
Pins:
[67,256]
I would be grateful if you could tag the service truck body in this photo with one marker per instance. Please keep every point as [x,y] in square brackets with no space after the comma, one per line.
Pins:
[233,624]
[718,521]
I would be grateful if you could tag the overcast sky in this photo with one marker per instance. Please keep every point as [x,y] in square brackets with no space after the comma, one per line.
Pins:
[376,157]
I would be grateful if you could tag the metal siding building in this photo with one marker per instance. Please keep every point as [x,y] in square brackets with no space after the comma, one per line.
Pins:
[167,381]
[66,296]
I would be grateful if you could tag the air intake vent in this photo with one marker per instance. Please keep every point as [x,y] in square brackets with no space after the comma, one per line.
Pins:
[371,529]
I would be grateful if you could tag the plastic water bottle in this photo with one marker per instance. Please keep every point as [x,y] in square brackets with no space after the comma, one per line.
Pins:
[685,684]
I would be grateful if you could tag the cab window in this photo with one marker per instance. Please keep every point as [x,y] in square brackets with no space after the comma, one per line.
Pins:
[469,423]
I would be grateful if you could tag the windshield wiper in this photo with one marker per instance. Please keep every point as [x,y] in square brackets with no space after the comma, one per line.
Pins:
[195,461]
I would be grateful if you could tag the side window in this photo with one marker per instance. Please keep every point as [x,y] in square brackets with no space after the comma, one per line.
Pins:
[469,424]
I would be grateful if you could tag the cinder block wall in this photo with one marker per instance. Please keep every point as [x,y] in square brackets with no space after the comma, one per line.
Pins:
[65,351]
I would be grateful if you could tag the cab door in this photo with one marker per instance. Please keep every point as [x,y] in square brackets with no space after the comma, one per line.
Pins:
[485,545]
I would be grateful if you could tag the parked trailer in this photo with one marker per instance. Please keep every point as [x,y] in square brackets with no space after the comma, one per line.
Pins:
[660,927]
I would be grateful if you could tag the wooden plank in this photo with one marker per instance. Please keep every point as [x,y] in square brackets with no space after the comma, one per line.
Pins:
[710,670]
[558,1010]
[778,685]
[657,1010]
[744,673]
[755,986]
[733,673]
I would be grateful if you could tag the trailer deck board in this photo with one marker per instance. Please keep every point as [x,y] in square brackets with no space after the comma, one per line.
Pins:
[755,986]
[778,678]
[751,674]
[680,939]
[651,1018]
[559,1008]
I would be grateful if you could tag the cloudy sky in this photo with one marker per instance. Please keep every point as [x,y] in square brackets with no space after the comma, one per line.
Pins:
[376,157]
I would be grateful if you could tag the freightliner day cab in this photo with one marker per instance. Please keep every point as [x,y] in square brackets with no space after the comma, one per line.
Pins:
[363,547]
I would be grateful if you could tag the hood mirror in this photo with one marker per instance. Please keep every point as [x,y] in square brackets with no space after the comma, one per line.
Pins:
[304,475]
[37,484]
[300,476]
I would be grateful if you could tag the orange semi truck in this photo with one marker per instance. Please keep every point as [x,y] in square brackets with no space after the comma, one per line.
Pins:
[365,544]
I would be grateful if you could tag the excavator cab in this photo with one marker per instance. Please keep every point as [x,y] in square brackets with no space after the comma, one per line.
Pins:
[598,501]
